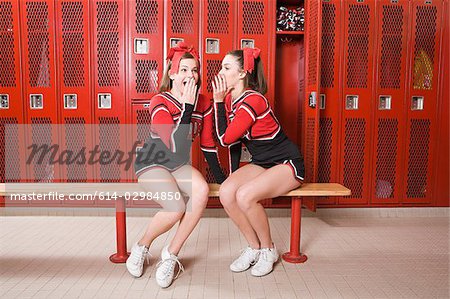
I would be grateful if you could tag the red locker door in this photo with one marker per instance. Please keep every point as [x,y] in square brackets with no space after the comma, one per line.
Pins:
[256,28]
[389,101]
[145,63]
[422,102]
[329,101]
[74,93]
[12,160]
[312,77]
[218,18]
[108,62]
[357,99]
[39,81]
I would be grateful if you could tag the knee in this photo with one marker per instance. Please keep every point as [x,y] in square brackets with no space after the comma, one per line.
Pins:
[227,194]
[201,191]
[244,197]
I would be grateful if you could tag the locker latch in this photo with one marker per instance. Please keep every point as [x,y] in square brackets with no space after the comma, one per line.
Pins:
[141,46]
[322,101]
[174,41]
[212,46]
[104,101]
[313,99]
[417,103]
[4,101]
[247,43]
[351,102]
[36,101]
[384,103]
[70,101]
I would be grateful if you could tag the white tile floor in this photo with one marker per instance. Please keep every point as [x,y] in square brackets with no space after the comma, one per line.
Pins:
[55,257]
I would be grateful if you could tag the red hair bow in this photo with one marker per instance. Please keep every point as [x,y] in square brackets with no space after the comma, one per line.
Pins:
[177,52]
[250,54]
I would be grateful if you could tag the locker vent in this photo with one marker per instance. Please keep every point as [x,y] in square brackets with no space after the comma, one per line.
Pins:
[75,141]
[358,46]
[424,46]
[109,138]
[386,158]
[9,133]
[147,16]
[108,43]
[7,71]
[354,155]
[210,177]
[218,17]
[73,44]
[182,16]
[391,47]
[328,45]
[41,129]
[38,44]
[312,52]
[146,76]
[253,17]
[419,146]
[213,67]
[309,155]
[143,124]
[325,149]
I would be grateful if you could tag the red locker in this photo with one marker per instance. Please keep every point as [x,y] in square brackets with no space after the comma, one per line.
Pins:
[11,105]
[422,101]
[330,96]
[39,81]
[109,82]
[74,82]
[357,99]
[389,101]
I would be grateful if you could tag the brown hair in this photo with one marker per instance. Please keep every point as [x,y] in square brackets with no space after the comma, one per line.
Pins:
[256,79]
[166,83]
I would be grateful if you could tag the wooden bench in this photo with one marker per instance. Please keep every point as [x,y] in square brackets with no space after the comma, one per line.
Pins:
[293,256]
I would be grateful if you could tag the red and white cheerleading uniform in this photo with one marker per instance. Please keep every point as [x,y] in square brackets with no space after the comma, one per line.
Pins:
[250,119]
[173,127]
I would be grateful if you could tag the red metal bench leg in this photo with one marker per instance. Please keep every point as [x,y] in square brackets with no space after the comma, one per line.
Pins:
[294,255]
[121,233]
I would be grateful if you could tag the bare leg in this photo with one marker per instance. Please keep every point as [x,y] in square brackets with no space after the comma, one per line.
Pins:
[191,182]
[161,180]
[228,199]
[270,183]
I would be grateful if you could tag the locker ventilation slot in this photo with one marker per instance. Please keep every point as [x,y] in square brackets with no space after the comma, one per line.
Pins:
[147,17]
[38,44]
[109,138]
[328,45]
[212,68]
[313,28]
[419,146]
[9,147]
[182,16]
[108,44]
[253,17]
[210,177]
[218,17]
[143,124]
[358,46]
[309,155]
[391,47]
[146,76]
[424,47]
[7,71]
[386,158]
[325,150]
[41,129]
[354,155]
[75,140]
[73,44]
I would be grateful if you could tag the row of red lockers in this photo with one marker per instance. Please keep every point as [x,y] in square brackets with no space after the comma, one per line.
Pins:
[69,48]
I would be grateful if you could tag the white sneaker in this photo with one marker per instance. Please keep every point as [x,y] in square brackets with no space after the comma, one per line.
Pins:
[135,262]
[267,257]
[248,257]
[165,271]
